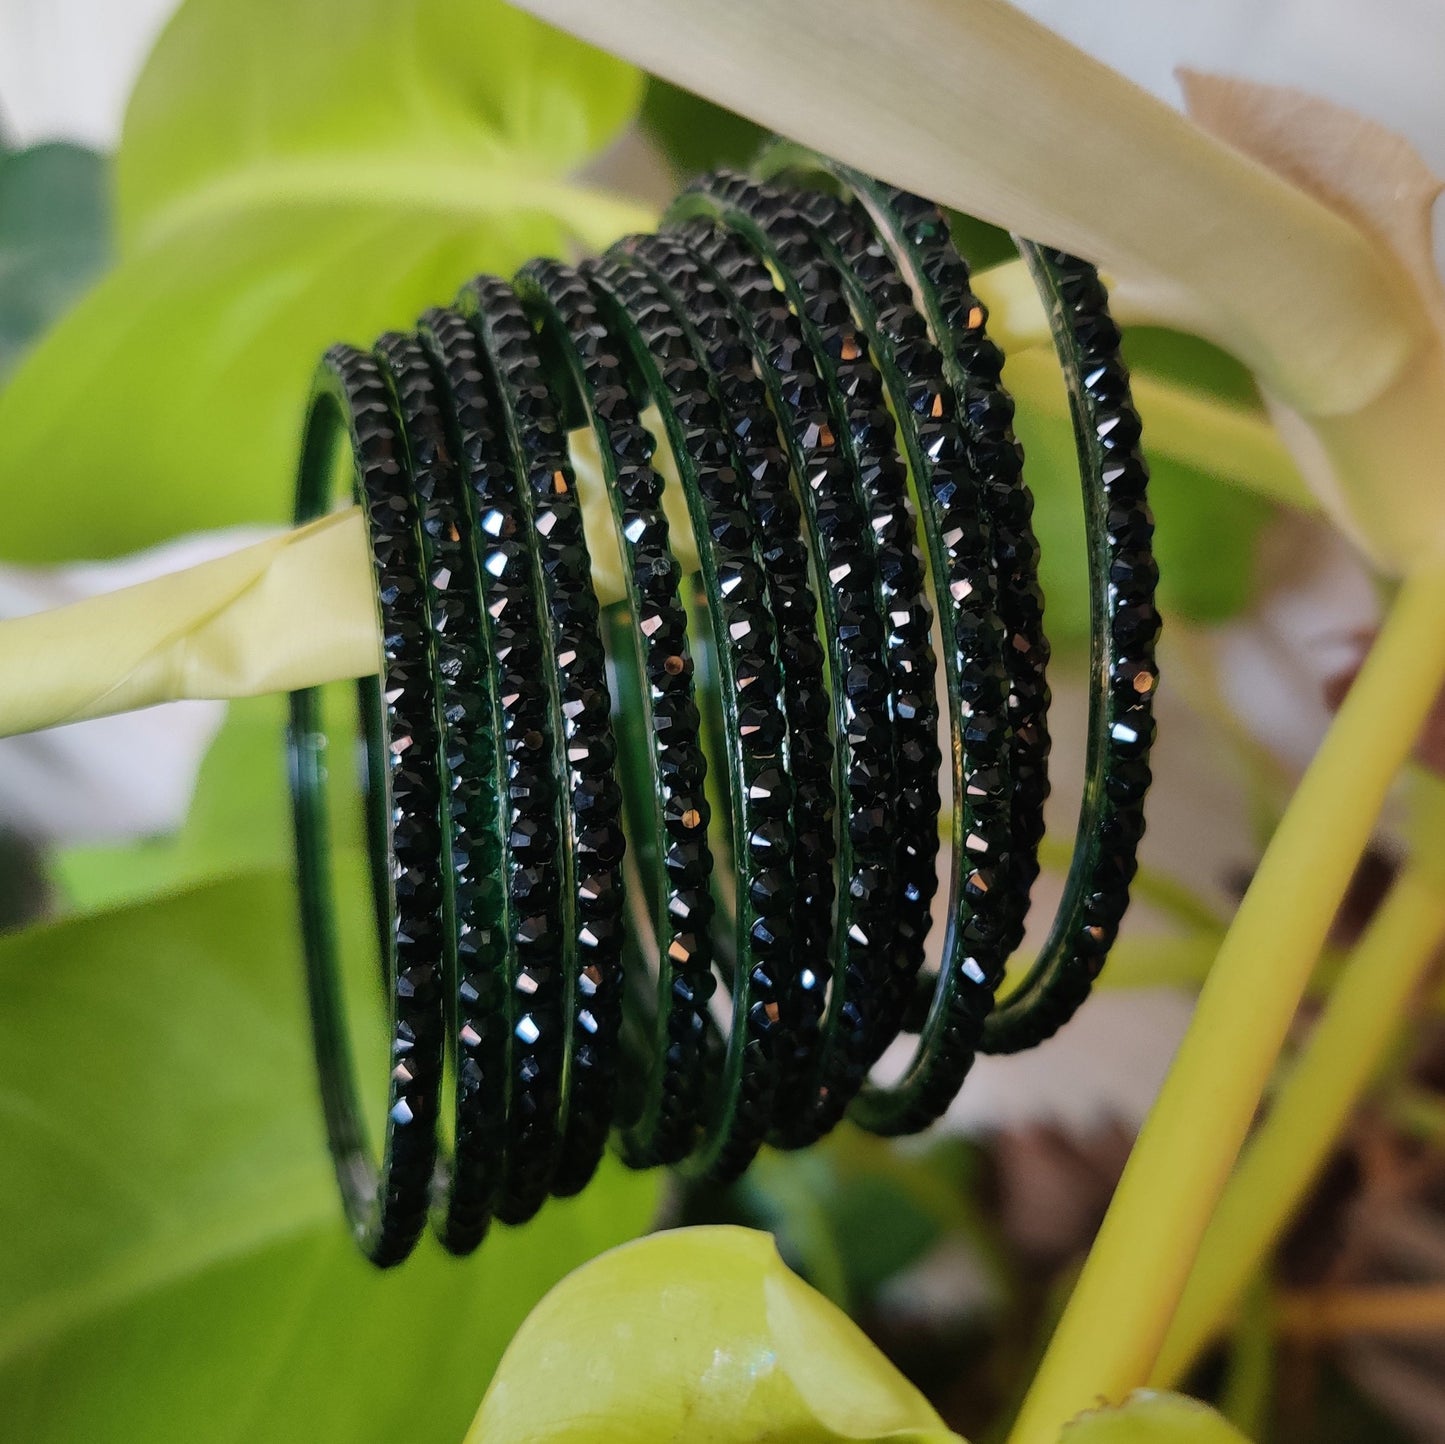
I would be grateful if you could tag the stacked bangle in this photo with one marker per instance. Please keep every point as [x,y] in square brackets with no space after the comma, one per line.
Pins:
[803,374]
[386,1207]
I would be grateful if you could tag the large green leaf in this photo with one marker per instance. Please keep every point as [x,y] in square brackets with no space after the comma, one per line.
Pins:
[54,236]
[174,1263]
[694,134]
[855,1211]
[293,172]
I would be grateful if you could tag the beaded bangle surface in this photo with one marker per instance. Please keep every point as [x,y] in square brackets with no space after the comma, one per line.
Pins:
[1122,575]
[386,1207]
[669,817]
[557,899]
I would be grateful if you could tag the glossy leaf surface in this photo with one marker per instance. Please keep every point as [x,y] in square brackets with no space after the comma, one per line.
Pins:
[292,173]
[175,1266]
[700,1335]
[1152,1418]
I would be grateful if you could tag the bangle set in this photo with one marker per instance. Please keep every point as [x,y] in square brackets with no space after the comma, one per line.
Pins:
[663,872]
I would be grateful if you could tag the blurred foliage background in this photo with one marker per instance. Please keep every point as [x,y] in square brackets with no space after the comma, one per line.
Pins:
[172,1262]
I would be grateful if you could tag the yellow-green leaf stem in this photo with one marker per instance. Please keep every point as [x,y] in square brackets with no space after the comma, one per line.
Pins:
[1248,1387]
[1110,1336]
[1286,1154]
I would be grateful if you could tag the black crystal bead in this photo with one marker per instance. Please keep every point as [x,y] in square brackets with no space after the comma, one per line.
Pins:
[956,526]
[671,1097]
[430,376]
[671,361]
[386,1206]
[551,1145]
[811,420]
[782,235]
[753,750]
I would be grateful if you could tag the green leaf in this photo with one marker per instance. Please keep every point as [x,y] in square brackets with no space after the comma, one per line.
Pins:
[1153,1418]
[292,173]
[175,1266]
[696,135]
[238,821]
[54,237]
[855,1211]
[699,1335]
[1189,361]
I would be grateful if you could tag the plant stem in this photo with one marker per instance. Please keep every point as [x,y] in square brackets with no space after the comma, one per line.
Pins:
[1286,1154]
[1249,1382]
[1419,1113]
[1329,1313]
[1109,1338]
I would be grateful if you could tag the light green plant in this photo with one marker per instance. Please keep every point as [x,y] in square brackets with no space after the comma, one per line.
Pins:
[295,173]
[704,1336]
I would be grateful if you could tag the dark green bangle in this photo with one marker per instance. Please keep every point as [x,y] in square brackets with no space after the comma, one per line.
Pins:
[592,843]
[558,928]
[1124,628]
[475,545]
[773,226]
[819,368]
[1124,622]
[663,1118]
[917,235]
[959,539]
[725,354]
[771,222]
[857,964]
[386,1209]
[758,785]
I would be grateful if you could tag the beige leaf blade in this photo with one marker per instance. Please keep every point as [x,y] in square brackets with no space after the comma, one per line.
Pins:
[1376,467]
[976,105]
[291,611]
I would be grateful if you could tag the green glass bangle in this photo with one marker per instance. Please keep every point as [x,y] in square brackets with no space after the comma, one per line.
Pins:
[916,234]
[592,841]
[771,223]
[386,1207]
[551,934]
[1124,622]
[473,546]
[959,539]
[784,238]
[759,785]
[759,453]
[664,1116]
[1125,627]
[827,1071]
[542,847]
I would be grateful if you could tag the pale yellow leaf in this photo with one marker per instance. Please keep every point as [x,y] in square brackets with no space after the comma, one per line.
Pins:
[697,1336]
[980,107]
[290,611]
[1377,465]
